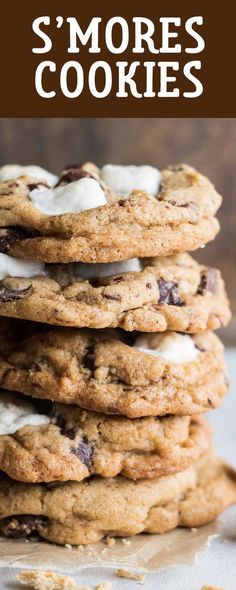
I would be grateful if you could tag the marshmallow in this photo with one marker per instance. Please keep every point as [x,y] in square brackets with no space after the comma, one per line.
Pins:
[11,171]
[15,413]
[95,271]
[124,179]
[173,347]
[13,267]
[75,197]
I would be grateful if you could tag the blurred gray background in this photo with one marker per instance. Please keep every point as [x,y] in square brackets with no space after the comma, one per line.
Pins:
[207,144]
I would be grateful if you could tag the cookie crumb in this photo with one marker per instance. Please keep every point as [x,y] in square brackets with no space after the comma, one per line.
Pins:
[126,541]
[121,573]
[211,588]
[193,529]
[110,541]
[104,586]
[47,581]
[68,546]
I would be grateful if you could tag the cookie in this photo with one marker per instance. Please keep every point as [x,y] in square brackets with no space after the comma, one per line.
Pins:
[85,220]
[67,443]
[153,375]
[158,294]
[85,512]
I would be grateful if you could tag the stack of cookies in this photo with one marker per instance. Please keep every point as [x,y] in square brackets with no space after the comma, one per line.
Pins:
[107,356]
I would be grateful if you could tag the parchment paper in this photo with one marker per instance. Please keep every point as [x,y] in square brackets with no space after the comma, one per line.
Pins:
[147,553]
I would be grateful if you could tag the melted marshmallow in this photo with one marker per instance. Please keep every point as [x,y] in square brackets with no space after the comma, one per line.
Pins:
[124,179]
[95,271]
[173,347]
[11,171]
[13,267]
[15,413]
[74,197]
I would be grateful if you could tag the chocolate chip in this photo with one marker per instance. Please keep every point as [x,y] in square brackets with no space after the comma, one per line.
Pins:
[112,297]
[72,174]
[7,295]
[11,235]
[23,525]
[209,281]
[169,293]
[148,285]
[84,452]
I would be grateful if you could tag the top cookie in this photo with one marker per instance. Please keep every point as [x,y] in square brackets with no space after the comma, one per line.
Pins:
[106,215]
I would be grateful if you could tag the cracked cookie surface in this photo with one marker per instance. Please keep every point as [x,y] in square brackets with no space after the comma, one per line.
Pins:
[174,293]
[99,371]
[180,218]
[76,444]
[85,512]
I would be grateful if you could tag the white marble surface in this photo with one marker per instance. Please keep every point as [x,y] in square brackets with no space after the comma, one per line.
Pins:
[215,565]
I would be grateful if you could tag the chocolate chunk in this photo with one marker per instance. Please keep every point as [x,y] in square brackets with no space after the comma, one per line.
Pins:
[23,525]
[112,297]
[72,174]
[209,281]
[84,452]
[7,295]
[169,293]
[11,235]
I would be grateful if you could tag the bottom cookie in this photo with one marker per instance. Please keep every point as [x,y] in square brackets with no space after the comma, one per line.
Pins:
[67,443]
[82,513]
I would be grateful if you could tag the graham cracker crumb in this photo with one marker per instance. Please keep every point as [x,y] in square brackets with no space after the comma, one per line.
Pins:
[104,586]
[46,581]
[121,573]
[110,541]
[211,588]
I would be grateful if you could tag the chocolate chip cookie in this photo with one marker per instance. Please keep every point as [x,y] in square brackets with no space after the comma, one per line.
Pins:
[147,375]
[37,224]
[74,444]
[85,512]
[173,293]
